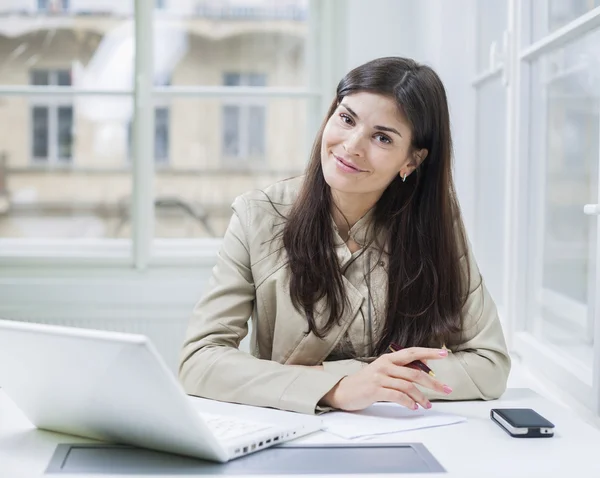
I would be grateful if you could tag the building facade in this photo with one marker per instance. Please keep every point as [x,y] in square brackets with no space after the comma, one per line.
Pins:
[65,160]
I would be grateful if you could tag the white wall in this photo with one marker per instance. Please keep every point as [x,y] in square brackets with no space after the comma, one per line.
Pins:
[435,32]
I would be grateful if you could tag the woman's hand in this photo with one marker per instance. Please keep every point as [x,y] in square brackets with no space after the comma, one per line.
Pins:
[388,379]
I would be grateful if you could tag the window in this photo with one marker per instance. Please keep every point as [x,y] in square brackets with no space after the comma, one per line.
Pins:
[240,107]
[565,122]
[65,151]
[53,6]
[51,120]
[231,96]
[547,16]
[541,159]
[244,123]
[161,134]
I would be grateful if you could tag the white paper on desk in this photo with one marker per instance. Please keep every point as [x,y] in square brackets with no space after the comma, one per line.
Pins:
[384,417]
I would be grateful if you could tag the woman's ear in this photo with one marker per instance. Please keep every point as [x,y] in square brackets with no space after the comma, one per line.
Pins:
[419,156]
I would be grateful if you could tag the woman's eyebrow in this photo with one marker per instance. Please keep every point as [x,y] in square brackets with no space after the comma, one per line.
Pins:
[382,128]
[387,128]
[350,110]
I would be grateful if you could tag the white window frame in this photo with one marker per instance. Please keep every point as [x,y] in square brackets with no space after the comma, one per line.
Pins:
[143,251]
[581,383]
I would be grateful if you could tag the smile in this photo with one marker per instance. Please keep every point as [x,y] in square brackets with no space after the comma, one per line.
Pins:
[346,166]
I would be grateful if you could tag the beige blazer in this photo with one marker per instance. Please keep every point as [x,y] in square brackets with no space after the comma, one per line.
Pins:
[251,282]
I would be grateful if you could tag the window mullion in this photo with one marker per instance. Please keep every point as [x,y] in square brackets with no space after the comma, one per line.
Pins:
[143,128]
[561,37]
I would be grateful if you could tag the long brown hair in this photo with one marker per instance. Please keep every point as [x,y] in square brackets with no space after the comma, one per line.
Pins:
[420,219]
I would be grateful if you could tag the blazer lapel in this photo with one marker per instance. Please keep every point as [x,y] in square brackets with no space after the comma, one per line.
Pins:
[311,350]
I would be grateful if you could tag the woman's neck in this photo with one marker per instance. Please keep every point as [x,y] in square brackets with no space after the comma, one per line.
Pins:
[347,209]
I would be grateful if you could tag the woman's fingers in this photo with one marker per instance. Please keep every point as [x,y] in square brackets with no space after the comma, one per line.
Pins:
[418,376]
[396,396]
[408,388]
[406,356]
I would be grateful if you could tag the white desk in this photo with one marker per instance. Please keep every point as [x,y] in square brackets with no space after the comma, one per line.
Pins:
[475,448]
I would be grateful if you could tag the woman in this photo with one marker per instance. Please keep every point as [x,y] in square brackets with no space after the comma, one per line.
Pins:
[367,249]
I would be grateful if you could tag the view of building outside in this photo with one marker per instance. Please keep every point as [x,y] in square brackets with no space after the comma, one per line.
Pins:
[65,161]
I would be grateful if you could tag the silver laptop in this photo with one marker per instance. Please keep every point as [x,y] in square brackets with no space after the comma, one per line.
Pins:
[115,387]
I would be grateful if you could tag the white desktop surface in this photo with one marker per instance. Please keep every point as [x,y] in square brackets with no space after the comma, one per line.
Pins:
[476,448]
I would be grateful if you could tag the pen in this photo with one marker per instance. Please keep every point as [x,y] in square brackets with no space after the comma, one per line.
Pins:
[415,364]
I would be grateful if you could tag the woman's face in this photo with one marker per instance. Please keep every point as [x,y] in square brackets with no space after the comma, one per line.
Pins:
[366,143]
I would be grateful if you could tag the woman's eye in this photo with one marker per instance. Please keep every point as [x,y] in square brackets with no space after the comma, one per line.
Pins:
[383,138]
[346,119]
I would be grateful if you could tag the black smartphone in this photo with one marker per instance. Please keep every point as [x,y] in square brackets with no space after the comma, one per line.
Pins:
[522,422]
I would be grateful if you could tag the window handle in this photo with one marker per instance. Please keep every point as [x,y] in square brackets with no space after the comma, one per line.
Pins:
[592,209]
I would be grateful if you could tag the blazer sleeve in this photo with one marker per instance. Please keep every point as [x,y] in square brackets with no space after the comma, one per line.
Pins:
[212,366]
[344,367]
[479,363]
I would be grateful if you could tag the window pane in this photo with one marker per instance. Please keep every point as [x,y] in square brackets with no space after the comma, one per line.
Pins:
[93,39]
[232,79]
[65,132]
[40,77]
[565,93]
[550,15]
[489,208]
[86,196]
[194,195]
[204,43]
[63,78]
[161,137]
[256,79]
[67,173]
[40,132]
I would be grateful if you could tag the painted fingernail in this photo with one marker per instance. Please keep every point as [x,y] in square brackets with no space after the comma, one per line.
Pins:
[415,407]
[443,352]
[447,389]
[428,405]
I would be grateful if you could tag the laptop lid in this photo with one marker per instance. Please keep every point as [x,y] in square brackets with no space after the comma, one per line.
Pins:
[104,385]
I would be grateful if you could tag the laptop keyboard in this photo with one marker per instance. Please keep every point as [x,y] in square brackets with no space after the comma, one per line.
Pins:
[229,428]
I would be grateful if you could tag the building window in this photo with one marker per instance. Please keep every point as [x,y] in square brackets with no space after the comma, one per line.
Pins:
[53,6]
[244,121]
[51,120]
[161,135]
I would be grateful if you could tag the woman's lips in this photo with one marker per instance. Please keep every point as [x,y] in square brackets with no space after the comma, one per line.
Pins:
[346,166]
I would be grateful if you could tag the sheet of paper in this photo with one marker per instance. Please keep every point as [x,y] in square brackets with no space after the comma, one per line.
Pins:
[249,412]
[382,418]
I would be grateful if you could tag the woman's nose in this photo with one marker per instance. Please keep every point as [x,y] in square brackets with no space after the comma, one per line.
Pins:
[353,144]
